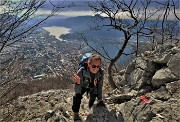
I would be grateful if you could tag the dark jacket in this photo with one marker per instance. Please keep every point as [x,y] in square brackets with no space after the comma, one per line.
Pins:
[97,88]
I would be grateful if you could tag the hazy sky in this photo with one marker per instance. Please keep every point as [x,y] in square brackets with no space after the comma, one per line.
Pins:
[80,10]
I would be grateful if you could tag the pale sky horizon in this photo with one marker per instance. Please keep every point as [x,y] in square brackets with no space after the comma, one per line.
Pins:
[82,12]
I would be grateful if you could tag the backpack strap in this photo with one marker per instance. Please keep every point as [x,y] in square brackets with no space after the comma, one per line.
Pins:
[100,71]
[84,70]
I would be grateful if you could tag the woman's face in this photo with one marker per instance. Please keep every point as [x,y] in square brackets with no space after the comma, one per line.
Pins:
[94,66]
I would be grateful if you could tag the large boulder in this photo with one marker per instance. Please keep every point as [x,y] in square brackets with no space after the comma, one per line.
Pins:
[136,78]
[102,114]
[138,73]
[163,76]
[144,64]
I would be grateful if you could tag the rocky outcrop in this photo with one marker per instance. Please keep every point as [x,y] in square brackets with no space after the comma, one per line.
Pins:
[163,105]
[54,106]
[155,74]
[153,68]
[163,76]
[49,106]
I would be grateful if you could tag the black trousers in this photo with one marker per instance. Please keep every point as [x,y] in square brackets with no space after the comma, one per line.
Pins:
[77,99]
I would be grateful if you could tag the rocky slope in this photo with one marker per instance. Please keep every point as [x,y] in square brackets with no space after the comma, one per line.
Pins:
[149,91]
[155,74]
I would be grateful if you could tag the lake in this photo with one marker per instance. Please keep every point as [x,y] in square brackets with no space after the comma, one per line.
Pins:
[57,31]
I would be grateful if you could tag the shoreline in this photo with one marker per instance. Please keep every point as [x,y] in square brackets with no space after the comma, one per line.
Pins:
[57,31]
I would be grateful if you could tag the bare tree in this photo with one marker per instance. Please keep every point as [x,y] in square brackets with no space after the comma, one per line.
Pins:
[168,20]
[15,17]
[130,18]
[175,5]
[17,21]
[115,11]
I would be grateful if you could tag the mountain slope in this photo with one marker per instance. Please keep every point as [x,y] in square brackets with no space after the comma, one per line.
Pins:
[156,99]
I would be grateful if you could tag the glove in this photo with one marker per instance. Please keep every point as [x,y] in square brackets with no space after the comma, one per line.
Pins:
[101,103]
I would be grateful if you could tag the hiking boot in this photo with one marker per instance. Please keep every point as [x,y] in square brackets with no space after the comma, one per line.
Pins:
[76,116]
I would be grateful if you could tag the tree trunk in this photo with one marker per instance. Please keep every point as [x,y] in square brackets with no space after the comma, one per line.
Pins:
[113,61]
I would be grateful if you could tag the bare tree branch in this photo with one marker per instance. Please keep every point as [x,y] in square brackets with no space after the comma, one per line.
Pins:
[132,18]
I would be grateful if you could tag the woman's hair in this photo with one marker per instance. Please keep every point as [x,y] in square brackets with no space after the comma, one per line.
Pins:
[94,57]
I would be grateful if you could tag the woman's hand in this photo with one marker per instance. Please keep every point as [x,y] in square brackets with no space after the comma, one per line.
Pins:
[77,79]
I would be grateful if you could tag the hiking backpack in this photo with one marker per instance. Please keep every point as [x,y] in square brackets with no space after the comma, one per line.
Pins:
[84,59]
[83,62]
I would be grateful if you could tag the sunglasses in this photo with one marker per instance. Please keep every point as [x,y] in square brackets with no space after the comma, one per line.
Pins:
[94,66]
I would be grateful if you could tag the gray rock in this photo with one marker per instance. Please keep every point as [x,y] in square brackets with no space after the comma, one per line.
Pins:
[121,72]
[165,48]
[162,58]
[146,65]
[123,81]
[115,116]
[130,67]
[134,111]
[49,114]
[100,114]
[160,94]
[174,88]
[174,64]
[117,79]
[175,50]
[163,76]
[144,90]
[119,98]
[135,76]
[140,83]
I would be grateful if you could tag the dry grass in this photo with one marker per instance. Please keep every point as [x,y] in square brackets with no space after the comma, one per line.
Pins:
[34,86]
